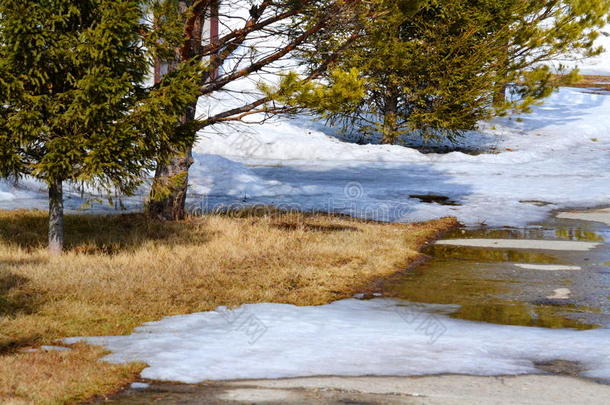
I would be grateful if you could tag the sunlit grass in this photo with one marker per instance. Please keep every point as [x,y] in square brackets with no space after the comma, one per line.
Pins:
[121,271]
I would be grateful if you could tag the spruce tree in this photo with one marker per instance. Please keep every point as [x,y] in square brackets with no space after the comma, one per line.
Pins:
[73,107]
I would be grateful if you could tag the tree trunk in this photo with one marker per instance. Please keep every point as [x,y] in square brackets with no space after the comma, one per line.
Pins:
[500,93]
[56,218]
[390,117]
[170,185]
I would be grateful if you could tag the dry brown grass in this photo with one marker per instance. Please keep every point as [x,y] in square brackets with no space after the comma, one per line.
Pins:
[121,271]
[592,82]
[60,377]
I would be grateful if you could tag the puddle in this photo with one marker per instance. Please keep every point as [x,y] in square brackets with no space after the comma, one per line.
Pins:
[432,198]
[537,203]
[514,285]
[561,367]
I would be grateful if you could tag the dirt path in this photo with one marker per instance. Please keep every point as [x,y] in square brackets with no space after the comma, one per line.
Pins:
[446,390]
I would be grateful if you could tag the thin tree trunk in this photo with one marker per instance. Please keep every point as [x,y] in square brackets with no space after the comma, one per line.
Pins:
[56,218]
[499,97]
[390,116]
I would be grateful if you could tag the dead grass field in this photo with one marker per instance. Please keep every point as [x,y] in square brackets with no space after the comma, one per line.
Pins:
[593,82]
[121,271]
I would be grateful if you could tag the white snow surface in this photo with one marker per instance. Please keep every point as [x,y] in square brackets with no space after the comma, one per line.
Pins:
[11,192]
[346,338]
[557,156]
[561,245]
[547,267]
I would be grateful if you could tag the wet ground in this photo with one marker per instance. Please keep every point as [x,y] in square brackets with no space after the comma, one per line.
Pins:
[487,286]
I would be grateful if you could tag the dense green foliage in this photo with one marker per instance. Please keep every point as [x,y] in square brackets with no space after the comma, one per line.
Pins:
[440,70]
[73,106]
[72,102]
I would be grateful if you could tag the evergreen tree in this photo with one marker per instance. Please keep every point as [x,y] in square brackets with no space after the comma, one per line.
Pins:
[72,104]
[440,70]
[271,32]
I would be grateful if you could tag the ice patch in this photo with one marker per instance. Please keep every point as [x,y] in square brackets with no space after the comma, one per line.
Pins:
[548,267]
[346,338]
[564,245]
[560,294]
[259,395]
[139,386]
[602,215]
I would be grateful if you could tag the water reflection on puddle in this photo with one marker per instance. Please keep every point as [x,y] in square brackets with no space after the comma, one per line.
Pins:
[489,287]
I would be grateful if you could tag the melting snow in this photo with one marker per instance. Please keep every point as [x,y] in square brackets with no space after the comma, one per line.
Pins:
[548,267]
[522,244]
[559,154]
[346,338]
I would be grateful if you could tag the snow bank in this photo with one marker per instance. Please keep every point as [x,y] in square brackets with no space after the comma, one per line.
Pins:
[556,157]
[12,195]
[345,338]
[213,174]
[298,140]
[5,192]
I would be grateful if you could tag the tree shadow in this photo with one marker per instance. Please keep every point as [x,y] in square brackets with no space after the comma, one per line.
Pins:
[97,234]
[367,190]
[16,300]
[11,304]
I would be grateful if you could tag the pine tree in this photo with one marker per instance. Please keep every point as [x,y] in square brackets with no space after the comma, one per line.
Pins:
[271,32]
[72,104]
[443,68]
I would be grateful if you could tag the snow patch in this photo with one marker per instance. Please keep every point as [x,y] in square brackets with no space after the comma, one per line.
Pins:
[346,338]
[548,267]
[602,215]
[563,245]
[560,294]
